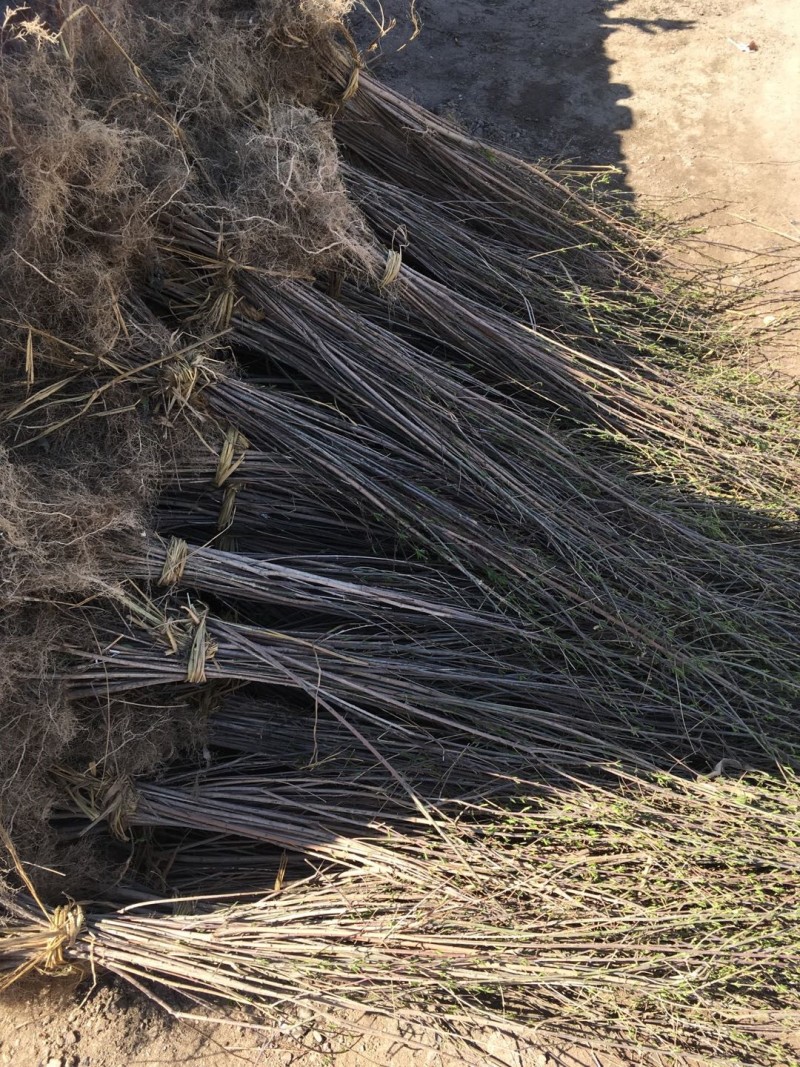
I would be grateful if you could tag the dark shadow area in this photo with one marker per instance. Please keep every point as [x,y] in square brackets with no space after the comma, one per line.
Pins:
[532,75]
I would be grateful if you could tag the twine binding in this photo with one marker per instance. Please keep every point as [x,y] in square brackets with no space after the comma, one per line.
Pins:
[189,371]
[394,261]
[231,456]
[66,923]
[201,649]
[227,513]
[394,257]
[174,561]
[113,800]
[352,84]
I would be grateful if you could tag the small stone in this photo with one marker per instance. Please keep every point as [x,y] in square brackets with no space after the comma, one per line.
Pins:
[71,1037]
[55,1061]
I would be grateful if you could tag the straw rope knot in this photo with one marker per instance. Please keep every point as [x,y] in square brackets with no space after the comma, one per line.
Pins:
[174,561]
[394,261]
[227,511]
[187,373]
[358,65]
[181,633]
[231,456]
[66,923]
[352,83]
[394,257]
[120,803]
[113,800]
[201,649]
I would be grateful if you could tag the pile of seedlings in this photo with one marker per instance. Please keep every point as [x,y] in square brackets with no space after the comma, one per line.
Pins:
[400,579]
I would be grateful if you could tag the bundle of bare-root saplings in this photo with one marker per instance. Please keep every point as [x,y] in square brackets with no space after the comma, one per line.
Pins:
[400,578]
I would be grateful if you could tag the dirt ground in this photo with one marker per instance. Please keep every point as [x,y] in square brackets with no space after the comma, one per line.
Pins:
[695,123]
[114,1027]
[658,88]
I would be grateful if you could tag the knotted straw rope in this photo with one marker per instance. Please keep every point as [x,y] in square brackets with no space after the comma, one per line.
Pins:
[66,923]
[231,457]
[185,372]
[227,511]
[178,633]
[394,261]
[120,803]
[174,562]
[394,257]
[355,73]
[229,460]
[35,947]
[113,800]
[352,84]
[202,648]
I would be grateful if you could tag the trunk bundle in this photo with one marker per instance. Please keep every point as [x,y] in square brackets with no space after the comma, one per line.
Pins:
[402,608]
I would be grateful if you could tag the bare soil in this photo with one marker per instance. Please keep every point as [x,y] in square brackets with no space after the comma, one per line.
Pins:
[653,86]
[658,88]
[111,1026]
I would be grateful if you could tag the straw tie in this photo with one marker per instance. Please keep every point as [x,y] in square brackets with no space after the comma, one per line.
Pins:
[121,803]
[231,456]
[352,83]
[202,648]
[358,63]
[181,633]
[394,257]
[110,800]
[66,922]
[174,562]
[394,261]
[187,372]
[227,511]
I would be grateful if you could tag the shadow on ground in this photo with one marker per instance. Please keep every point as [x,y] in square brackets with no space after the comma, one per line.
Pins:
[538,73]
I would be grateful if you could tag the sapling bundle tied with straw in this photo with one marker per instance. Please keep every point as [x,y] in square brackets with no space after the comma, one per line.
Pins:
[381,570]
[641,912]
